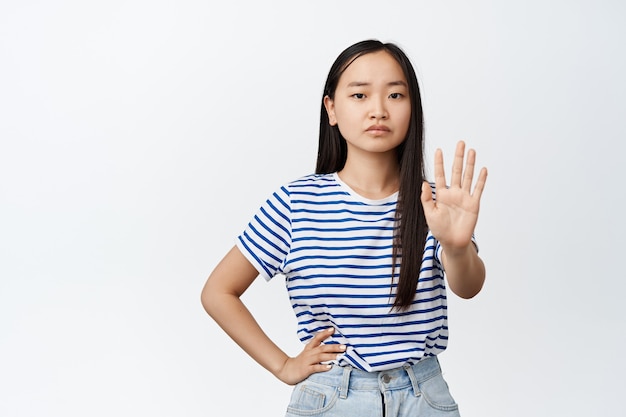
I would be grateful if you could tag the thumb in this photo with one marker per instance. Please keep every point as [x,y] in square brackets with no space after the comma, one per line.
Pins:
[427,196]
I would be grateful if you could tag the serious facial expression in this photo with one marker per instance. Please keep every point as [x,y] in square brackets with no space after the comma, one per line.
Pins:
[371,107]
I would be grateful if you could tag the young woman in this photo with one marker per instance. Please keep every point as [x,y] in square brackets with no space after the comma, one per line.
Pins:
[363,244]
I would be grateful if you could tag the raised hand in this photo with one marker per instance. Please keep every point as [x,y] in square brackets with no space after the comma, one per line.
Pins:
[453,214]
[309,360]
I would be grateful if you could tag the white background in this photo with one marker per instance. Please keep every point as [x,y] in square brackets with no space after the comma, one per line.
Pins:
[138,137]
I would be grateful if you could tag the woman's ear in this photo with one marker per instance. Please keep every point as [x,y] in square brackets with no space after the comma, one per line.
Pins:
[330,109]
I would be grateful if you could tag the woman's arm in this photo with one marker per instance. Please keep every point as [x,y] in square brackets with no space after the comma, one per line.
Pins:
[465,271]
[221,300]
[452,218]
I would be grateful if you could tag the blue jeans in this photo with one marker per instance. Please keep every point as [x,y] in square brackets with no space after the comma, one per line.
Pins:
[417,390]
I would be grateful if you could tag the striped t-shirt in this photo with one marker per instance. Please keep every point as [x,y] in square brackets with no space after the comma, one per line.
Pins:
[334,248]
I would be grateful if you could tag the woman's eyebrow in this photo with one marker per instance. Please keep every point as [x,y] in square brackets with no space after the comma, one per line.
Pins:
[358,84]
[364,83]
[399,82]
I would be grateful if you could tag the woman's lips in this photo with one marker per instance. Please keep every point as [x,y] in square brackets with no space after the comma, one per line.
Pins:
[377,129]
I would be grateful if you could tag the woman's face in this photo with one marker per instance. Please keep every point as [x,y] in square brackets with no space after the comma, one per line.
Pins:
[371,107]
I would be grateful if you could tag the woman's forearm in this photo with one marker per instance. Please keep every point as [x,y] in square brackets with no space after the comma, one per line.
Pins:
[221,299]
[236,320]
[465,271]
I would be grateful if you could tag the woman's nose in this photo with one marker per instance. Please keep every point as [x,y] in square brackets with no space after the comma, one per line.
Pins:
[378,110]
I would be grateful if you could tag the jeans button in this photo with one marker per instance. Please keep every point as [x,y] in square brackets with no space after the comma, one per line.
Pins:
[386,378]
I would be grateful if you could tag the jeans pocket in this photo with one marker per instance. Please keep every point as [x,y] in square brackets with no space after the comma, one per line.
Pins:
[311,399]
[436,393]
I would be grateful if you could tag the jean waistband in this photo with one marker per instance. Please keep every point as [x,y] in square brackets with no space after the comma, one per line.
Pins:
[347,377]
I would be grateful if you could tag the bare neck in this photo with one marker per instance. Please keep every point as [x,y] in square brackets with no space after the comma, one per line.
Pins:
[374,176]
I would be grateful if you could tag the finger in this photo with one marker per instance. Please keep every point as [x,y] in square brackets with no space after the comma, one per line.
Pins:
[457,164]
[440,176]
[469,171]
[321,368]
[427,194]
[332,347]
[320,337]
[323,357]
[480,183]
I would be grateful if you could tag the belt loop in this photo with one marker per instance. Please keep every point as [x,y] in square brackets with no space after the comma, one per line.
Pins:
[409,370]
[345,381]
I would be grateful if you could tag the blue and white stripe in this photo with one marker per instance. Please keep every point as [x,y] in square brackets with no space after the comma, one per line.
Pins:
[335,249]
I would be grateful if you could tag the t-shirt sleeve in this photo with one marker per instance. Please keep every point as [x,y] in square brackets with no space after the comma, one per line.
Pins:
[266,240]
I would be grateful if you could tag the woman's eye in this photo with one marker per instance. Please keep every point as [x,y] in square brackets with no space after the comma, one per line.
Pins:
[395,95]
[358,96]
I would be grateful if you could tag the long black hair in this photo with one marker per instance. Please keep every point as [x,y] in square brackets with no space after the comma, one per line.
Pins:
[411,228]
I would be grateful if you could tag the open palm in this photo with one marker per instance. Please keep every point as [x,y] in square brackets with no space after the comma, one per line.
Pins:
[453,214]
